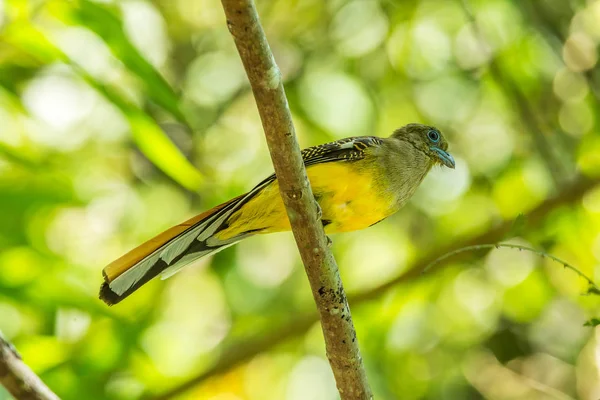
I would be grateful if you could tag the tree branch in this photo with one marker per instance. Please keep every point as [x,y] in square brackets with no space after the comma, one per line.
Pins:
[20,381]
[321,268]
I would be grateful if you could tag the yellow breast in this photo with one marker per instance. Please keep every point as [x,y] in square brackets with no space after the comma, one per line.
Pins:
[350,198]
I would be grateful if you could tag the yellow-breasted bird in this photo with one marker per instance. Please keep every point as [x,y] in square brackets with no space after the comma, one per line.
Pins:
[357,182]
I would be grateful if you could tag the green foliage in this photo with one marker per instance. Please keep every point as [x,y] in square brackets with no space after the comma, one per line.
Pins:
[106,23]
[593,289]
[592,322]
[119,119]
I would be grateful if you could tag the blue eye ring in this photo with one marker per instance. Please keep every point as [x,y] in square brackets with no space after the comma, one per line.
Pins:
[434,136]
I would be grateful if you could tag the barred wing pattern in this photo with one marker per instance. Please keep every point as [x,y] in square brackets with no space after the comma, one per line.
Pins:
[349,149]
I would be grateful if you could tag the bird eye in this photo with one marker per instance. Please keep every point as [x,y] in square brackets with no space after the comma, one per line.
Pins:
[434,136]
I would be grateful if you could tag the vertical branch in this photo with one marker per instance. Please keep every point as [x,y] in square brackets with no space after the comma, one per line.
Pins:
[322,271]
[20,381]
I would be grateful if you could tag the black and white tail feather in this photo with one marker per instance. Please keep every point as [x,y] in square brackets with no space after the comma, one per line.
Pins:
[194,243]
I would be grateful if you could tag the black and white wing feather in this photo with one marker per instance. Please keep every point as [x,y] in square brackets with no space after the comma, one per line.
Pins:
[349,149]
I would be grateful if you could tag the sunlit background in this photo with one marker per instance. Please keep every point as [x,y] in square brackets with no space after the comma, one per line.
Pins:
[119,119]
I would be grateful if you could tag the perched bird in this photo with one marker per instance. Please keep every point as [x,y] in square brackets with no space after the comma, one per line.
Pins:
[357,182]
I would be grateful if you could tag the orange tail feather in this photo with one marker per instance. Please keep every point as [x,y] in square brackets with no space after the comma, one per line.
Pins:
[134,257]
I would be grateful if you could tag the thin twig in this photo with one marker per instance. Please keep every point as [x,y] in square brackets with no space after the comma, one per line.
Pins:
[238,352]
[322,271]
[511,246]
[20,381]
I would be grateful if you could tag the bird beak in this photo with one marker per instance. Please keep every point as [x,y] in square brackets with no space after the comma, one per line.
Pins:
[444,157]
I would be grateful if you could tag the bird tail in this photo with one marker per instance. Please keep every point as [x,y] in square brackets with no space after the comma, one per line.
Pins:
[170,251]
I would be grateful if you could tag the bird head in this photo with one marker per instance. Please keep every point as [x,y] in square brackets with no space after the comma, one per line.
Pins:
[428,140]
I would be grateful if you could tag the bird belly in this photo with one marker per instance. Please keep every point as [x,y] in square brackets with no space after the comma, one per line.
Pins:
[348,196]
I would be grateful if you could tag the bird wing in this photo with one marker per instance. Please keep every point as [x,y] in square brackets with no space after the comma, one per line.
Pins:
[348,149]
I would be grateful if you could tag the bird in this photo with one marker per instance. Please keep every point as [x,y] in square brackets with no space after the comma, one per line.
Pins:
[357,182]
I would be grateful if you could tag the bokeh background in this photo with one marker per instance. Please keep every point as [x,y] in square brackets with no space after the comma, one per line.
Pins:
[119,119]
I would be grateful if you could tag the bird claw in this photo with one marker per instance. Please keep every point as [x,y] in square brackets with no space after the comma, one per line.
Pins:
[319,216]
[319,210]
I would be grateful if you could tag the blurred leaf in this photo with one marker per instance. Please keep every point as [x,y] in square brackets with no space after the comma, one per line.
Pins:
[146,133]
[10,346]
[105,23]
[508,344]
[15,156]
[31,42]
[153,142]
[10,101]
[592,289]
[592,322]
[11,76]
[517,227]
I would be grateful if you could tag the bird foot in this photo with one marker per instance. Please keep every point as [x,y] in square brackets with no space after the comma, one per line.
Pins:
[319,216]
[319,210]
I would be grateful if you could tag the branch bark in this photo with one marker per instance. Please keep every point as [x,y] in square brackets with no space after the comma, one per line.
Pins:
[239,352]
[20,381]
[322,271]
